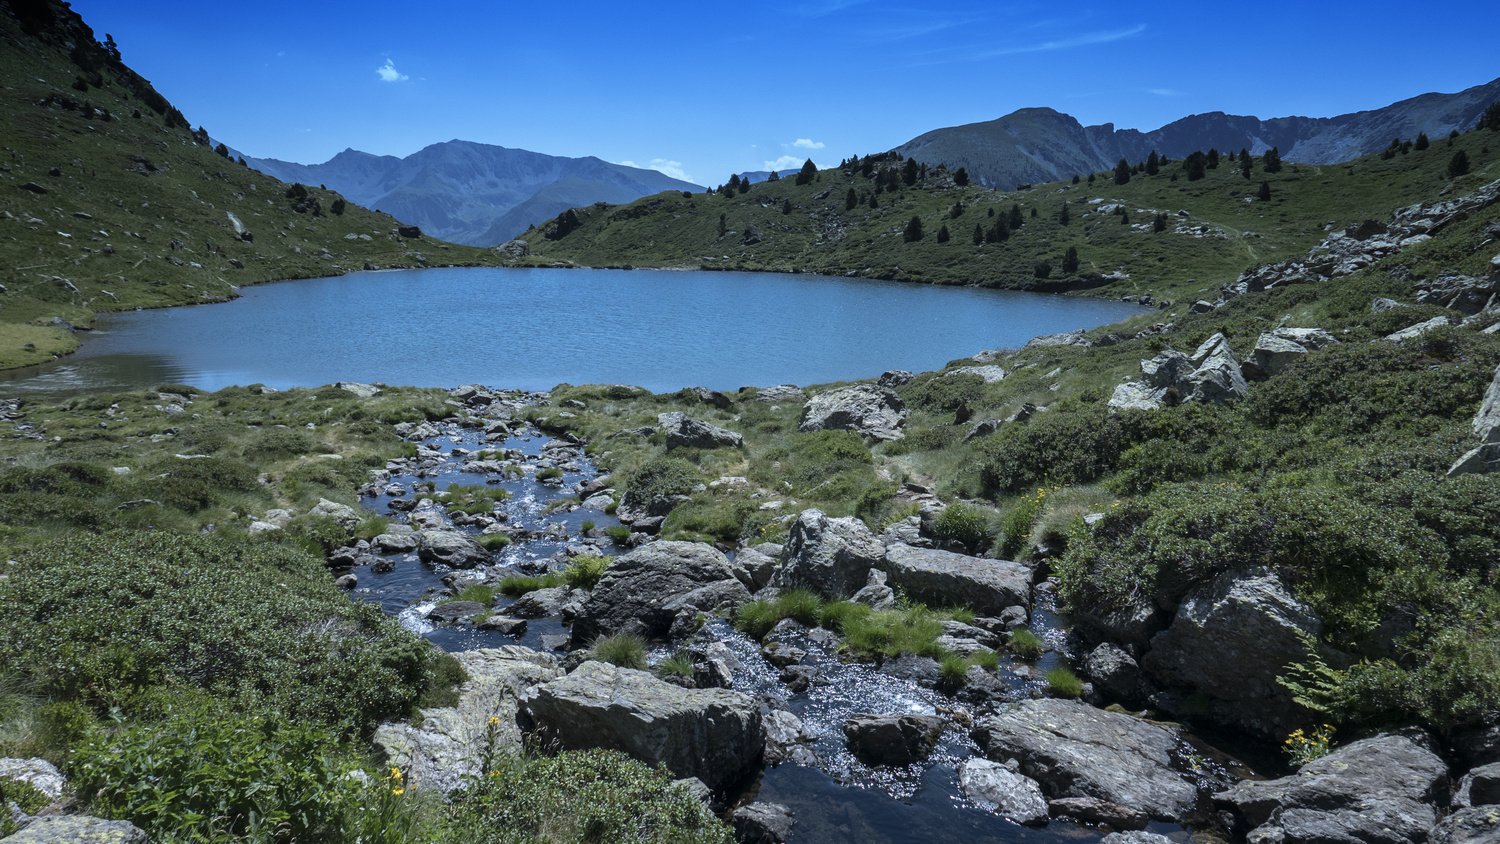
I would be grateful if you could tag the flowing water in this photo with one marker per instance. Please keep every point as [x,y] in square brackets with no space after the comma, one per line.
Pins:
[532,329]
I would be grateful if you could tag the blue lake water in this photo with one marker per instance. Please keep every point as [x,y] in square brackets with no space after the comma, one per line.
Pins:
[536,328]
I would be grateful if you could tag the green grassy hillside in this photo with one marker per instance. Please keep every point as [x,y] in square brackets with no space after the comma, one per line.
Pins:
[100,176]
[1226,228]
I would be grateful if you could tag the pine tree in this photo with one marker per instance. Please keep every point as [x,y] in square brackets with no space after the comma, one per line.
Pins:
[1153,164]
[1091,178]
[1159,224]
[1122,172]
[866,167]
[1271,161]
[1195,166]
[734,182]
[961,178]
[786,206]
[773,176]
[913,229]
[909,172]
[723,224]
[851,199]
[1124,218]
[338,207]
[1070,261]
[1265,191]
[1213,158]
[942,236]
[1063,217]
[1015,216]
[1001,232]
[1458,165]
[1490,119]
[956,210]
[1043,268]
[874,203]
[1246,165]
[808,172]
[978,234]
[1076,178]
[1422,142]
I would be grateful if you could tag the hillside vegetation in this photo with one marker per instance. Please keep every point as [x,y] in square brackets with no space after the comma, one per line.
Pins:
[1214,227]
[110,201]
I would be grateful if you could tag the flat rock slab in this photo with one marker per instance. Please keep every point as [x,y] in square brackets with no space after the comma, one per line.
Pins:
[985,586]
[1379,790]
[1074,750]
[439,753]
[77,829]
[1014,796]
[715,735]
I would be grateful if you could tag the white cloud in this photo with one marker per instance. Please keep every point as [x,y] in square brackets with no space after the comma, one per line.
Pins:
[786,162]
[662,166]
[388,73]
[807,143]
[1165,92]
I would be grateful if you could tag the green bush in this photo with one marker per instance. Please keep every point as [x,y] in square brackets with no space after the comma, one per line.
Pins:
[626,650]
[679,664]
[893,632]
[756,618]
[954,670]
[1015,528]
[662,478]
[281,443]
[964,524]
[516,586]
[26,797]
[584,572]
[493,541]
[618,534]
[836,615]
[943,392]
[109,616]
[594,795]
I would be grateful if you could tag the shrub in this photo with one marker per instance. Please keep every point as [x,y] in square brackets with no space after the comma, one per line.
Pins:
[515,587]
[1062,682]
[964,524]
[280,443]
[26,797]
[493,541]
[1016,526]
[663,478]
[626,650]
[892,632]
[955,670]
[943,392]
[836,615]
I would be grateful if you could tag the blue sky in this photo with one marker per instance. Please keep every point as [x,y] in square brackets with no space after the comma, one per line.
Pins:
[702,90]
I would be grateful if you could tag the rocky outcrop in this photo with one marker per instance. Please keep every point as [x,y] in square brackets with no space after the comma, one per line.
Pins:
[1412,332]
[867,410]
[1014,796]
[1478,825]
[1070,338]
[1486,425]
[1275,350]
[942,577]
[77,829]
[832,557]
[780,394]
[1379,790]
[644,591]
[449,742]
[37,773]
[989,373]
[1211,374]
[683,432]
[1465,294]
[892,739]
[1229,641]
[715,735]
[1074,750]
[347,517]
[450,548]
[1114,672]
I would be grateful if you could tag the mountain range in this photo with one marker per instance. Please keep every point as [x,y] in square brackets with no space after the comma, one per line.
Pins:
[1040,145]
[471,193]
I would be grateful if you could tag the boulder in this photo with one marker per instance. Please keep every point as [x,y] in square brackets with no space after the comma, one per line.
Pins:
[540,603]
[77,829]
[894,378]
[710,397]
[1132,623]
[449,741]
[867,410]
[1103,812]
[753,568]
[504,625]
[514,249]
[1216,376]
[644,591]
[1487,419]
[762,823]
[346,516]
[692,433]
[1412,332]
[1477,461]
[1070,338]
[780,394]
[1229,641]
[786,738]
[451,611]
[892,739]
[37,773]
[1275,350]
[875,594]
[1479,825]
[715,735]
[450,548]
[1114,672]
[990,373]
[395,541]
[832,557]
[364,391]
[1211,374]
[1074,750]
[1014,796]
[1135,836]
[1380,790]
[943,577]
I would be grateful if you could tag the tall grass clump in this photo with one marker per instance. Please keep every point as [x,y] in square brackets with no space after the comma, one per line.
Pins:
[1018,521]
[1025,644]
[1062,682]
[836,615]
[893,632]
[626,650]
[756,618]
[515,587]
[585,572]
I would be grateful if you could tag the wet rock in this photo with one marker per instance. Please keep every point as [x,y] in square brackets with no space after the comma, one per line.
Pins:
[1379,790]
[1230,640]
[1478,825]
[395,541]
[918,669]
[451,611]
[800,678]
[785,737]
[451,548]
[540,603]
[943,577]
[715,735]
[892,739]
[502,624]
[1014,796]
[867,410]
[693,433]
[832,557]
[1074,750]
[346,582]
[1103,812]
[347,517]
[1114,672]
[644,591]
[1132,623]
[762,823]
[447,745]
[75,829]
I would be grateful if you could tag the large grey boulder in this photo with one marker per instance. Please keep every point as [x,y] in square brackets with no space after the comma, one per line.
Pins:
[644,591]
[346,516]
[1014,796]
[866,409]
[762,823]
[1230,640]
[683,432]
[892,739]
[1114,672]
[1075,750]
[832,557]
[76,829]
[1210,374]
[37,773]
[1412,332]
[943,577]
[450,548]
[1478,825]
[1275,350]
[780,394]
[364,391]
[1487,419]
[753,568]
[1216,376]
[1379,790]
[715,735]
[448,743]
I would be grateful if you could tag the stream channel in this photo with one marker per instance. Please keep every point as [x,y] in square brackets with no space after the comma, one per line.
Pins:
[835,797]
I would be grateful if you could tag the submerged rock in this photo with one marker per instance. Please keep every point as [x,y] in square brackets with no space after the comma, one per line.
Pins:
[892,739]
[762,823]
[451,548]
[715,735]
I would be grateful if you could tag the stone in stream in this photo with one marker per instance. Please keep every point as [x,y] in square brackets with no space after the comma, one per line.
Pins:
[1014,796]
[451,548]
[762,823]
[1135,836]
[832,557]
[502,624]
[540,603]
[753,568]
[867,410]
[943,577]
[395,541]
[645,591]
[715,735]
[447,746]
[1074,750]
[892,739]
[451,611]
[1381,790]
